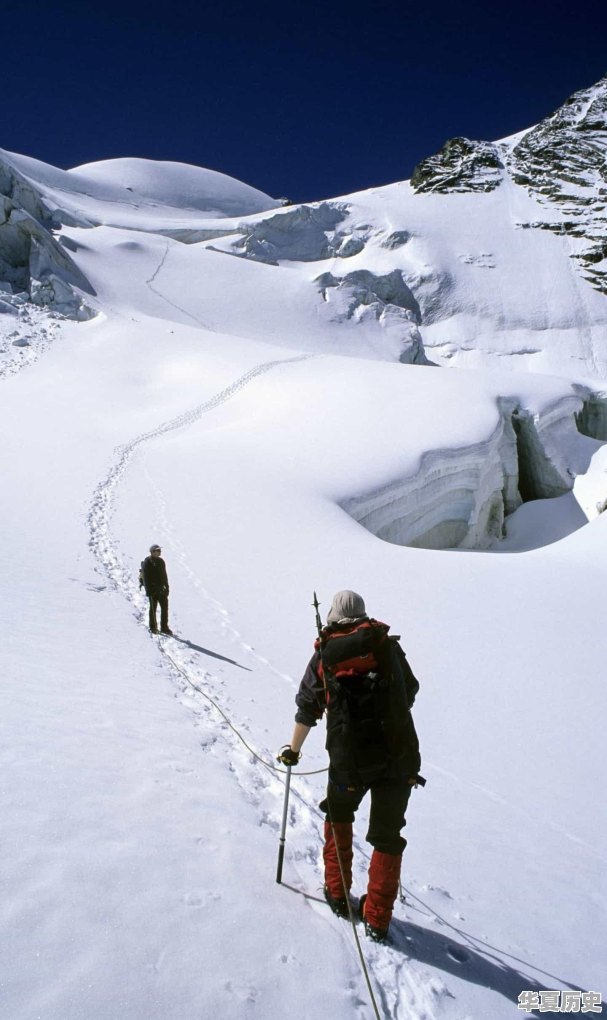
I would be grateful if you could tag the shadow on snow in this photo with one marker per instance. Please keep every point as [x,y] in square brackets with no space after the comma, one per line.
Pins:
[207,651]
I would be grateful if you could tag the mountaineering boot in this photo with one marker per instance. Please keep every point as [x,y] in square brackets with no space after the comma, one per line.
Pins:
[338,906]
[376,906]
[375,934]
[166,630]
[338,837]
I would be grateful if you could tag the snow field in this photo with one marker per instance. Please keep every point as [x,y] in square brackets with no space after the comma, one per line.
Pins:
[212,489]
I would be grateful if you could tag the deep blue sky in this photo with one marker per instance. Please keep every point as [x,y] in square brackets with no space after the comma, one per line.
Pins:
[305,100]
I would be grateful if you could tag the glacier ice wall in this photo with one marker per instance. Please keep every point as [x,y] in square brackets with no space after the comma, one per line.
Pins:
[460,498]
[34,267]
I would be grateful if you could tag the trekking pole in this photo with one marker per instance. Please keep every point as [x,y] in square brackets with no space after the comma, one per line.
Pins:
[281,848]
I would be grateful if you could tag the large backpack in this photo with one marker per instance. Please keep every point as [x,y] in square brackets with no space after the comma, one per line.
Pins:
[370,689]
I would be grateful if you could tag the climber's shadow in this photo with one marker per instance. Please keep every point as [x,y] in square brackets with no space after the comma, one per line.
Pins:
[479,965]
[207,651]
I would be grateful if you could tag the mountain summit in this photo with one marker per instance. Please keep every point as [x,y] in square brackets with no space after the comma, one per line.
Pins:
[562,162]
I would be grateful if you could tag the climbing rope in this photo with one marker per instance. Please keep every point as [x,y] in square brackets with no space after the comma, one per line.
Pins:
[273,768]
[268,765]
[363,962]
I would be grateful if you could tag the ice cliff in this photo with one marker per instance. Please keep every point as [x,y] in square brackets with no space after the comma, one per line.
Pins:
[462,497]
[34,267]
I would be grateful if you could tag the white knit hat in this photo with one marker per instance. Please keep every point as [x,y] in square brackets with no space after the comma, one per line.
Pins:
[346,605]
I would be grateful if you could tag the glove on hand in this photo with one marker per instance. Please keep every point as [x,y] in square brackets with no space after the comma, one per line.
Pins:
[287,756]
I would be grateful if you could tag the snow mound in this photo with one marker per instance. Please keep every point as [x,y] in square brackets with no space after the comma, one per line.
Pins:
[178,185]
[141,194]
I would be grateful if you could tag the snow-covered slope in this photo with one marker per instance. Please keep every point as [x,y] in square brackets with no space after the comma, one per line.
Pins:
[500,248]
[288,400]
[154,189]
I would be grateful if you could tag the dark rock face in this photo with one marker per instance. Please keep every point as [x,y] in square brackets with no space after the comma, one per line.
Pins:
[461,165]
[563,161]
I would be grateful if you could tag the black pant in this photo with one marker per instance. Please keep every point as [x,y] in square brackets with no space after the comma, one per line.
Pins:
[389,799]
[162,600]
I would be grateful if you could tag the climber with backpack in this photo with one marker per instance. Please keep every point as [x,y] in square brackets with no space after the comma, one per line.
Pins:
[359,676]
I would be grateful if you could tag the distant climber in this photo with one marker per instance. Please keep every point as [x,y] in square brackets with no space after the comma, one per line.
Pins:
[153,576]
[361,678]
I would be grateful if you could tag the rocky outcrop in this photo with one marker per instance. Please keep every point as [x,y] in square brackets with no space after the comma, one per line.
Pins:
[461,165]
[563,161]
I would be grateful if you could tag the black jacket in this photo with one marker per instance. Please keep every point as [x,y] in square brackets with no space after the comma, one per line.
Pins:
[358,754]
[155,578]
